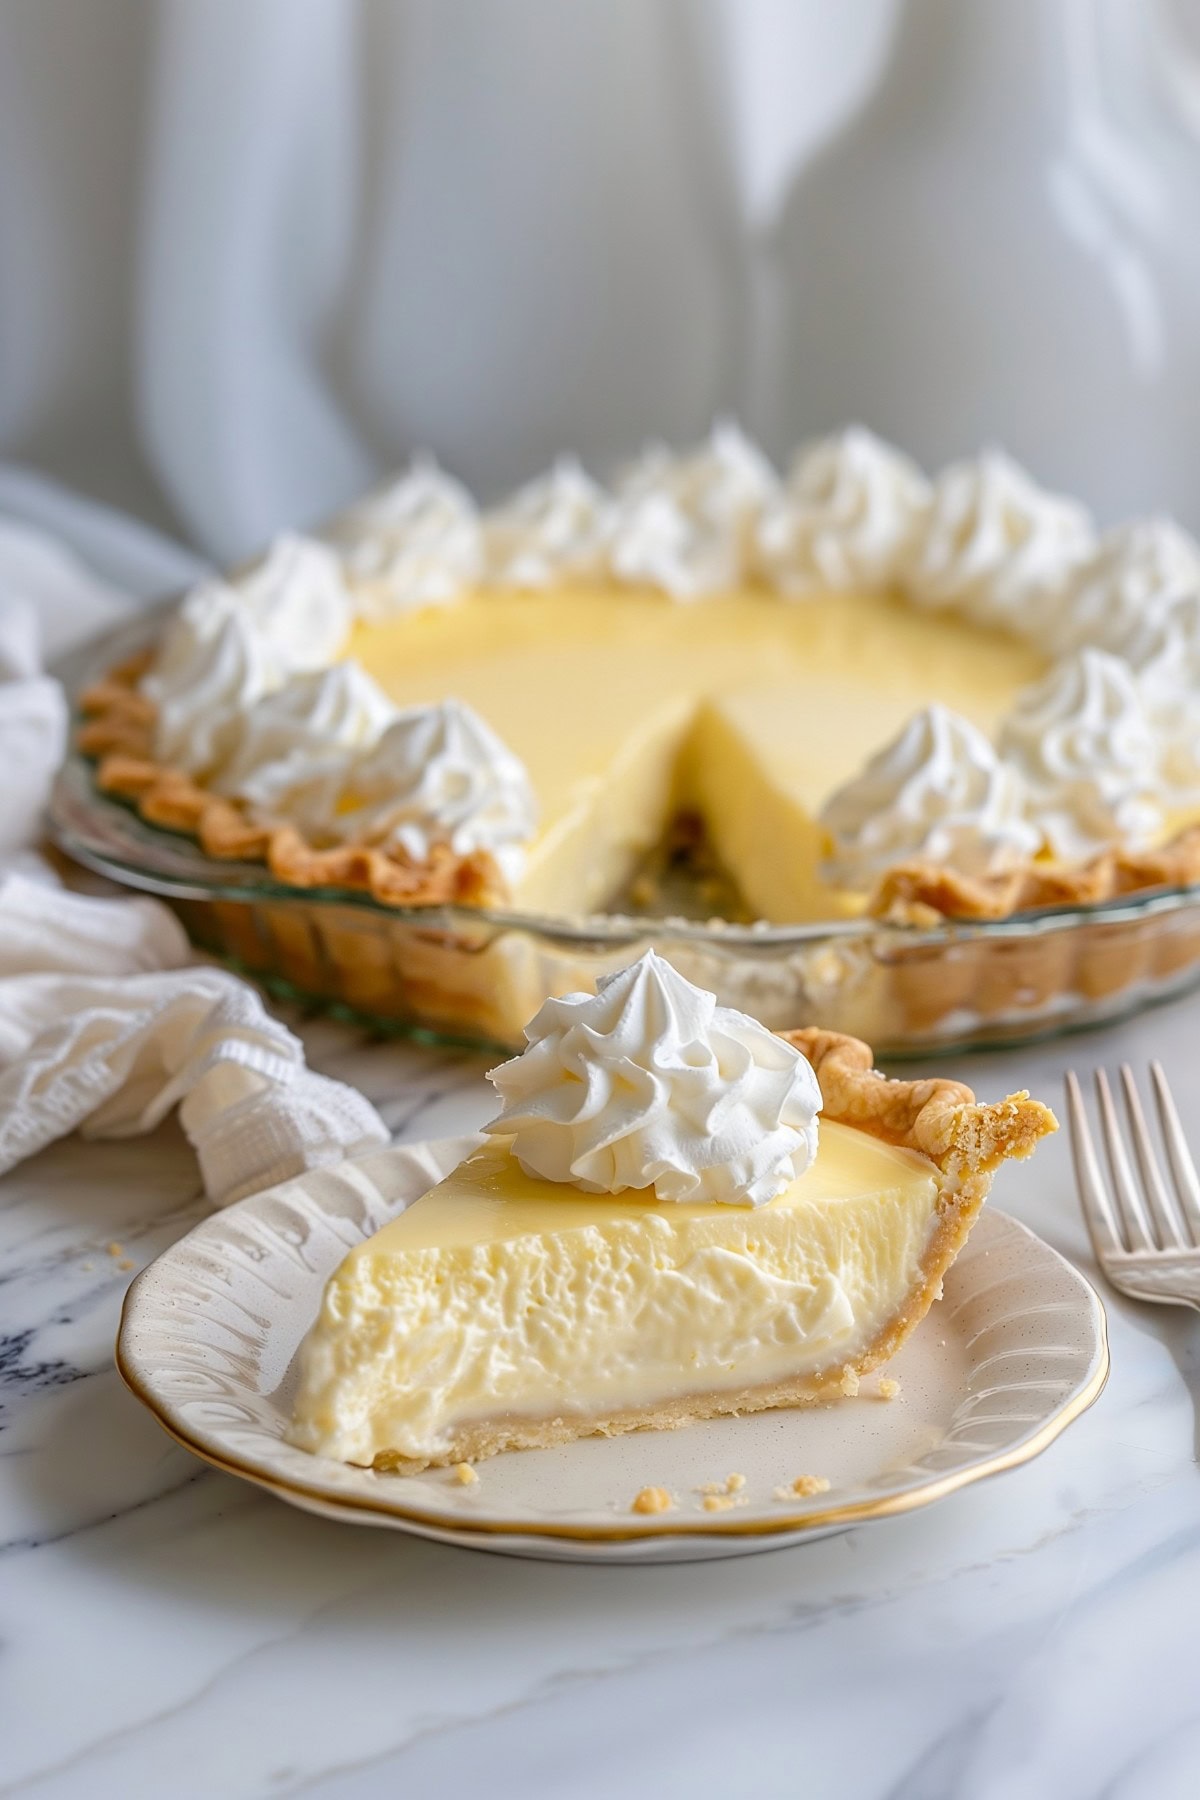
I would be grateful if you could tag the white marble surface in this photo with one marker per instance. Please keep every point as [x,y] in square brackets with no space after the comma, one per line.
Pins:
[167,1631]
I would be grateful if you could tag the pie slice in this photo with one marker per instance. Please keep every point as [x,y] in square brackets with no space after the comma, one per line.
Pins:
[502,1311]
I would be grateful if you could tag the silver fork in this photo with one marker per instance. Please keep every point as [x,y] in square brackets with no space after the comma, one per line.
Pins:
[1146,1234]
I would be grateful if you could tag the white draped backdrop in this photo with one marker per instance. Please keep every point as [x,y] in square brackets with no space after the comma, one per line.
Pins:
[254,251]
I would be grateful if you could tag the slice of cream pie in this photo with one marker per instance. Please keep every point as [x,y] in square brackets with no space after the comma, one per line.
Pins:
[658,1229]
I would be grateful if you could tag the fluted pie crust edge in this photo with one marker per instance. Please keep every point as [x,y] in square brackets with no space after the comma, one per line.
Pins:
[924,892]
[966,1142]
[118,732]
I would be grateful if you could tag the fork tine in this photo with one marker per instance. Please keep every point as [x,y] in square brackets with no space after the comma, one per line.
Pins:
[1164,1213]
[1129,1201]
[1093,1189]
[1183,1169]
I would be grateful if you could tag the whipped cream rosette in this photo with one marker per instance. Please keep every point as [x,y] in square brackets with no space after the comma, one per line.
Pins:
[1089,754]
[231,643]
[851,516]
[648,1083]
[438,775]
[999,548]
[286,750]
[1136,570]
[937,792]
[417,541]
[555,529]
[687,523]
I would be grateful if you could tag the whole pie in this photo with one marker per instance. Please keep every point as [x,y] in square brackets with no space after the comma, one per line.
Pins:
[876,692]
[677,1214]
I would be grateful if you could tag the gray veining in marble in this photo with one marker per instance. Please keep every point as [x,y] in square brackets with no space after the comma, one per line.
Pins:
[167,1631]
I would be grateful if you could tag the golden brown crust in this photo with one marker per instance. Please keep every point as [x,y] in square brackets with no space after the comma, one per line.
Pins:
[935,1116]
[923,893]
[118,730]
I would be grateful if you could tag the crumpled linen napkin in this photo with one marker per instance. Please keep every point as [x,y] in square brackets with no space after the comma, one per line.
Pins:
[105,1025]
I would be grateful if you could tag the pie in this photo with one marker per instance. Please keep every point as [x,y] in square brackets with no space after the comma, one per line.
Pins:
[765,687]
[867,693]
[505,1311]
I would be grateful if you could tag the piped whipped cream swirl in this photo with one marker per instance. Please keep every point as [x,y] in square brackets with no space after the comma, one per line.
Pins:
[1089,754]
[438,775]
[1163,651]
[416,542]
[999,548]
[648,1083]
[555,529]
[1136,570]
[687,524]
[851,516]
[939,792]
[231,643]
[288,753]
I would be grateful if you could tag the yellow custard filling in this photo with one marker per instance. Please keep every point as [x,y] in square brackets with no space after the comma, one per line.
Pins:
[624,705]
[498,1295]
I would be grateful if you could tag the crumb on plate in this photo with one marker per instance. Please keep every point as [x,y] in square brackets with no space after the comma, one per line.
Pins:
[889,1388]
[652,1500]
[465,1475]
[849,1383]
[803,1488]
[732,1484]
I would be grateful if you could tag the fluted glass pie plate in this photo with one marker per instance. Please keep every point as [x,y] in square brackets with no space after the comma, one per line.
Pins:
[475,975]
[1015,1350]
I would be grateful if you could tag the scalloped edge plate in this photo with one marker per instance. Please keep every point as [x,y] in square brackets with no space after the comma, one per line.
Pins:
[1016,1349]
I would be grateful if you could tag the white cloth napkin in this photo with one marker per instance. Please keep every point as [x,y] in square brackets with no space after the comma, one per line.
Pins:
[104,1025]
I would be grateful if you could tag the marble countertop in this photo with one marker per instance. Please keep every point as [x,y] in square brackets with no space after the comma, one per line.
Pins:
[168,1631]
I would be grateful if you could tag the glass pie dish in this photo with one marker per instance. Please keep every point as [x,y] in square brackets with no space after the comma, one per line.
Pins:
[472,975]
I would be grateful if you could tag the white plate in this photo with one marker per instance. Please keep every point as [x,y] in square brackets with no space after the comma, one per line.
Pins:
[1014,1351]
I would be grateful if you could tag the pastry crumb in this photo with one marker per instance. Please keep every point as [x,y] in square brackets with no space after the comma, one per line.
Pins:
[849,1383]
[114,1250]
[889,1388]
[125,1262]
[803,1488]
[719,1502]
[652,1500]
[732,1484]
[465,1475]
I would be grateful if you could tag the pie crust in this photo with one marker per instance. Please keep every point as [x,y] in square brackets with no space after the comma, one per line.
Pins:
[118,730]
[940,1119]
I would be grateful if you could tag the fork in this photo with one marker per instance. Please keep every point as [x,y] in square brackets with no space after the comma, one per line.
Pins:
[1146,1234]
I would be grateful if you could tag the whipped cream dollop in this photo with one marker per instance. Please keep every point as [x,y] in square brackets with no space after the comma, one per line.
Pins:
[555,529]
[298,603]
[438,775]
[688,523]
[211,667]
[1163,650]
[288,752]
[1137,569]
[648,1083]
[999,548]
[938,791]
[1089,754]
[415,542]
[231,642]
[851,516]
